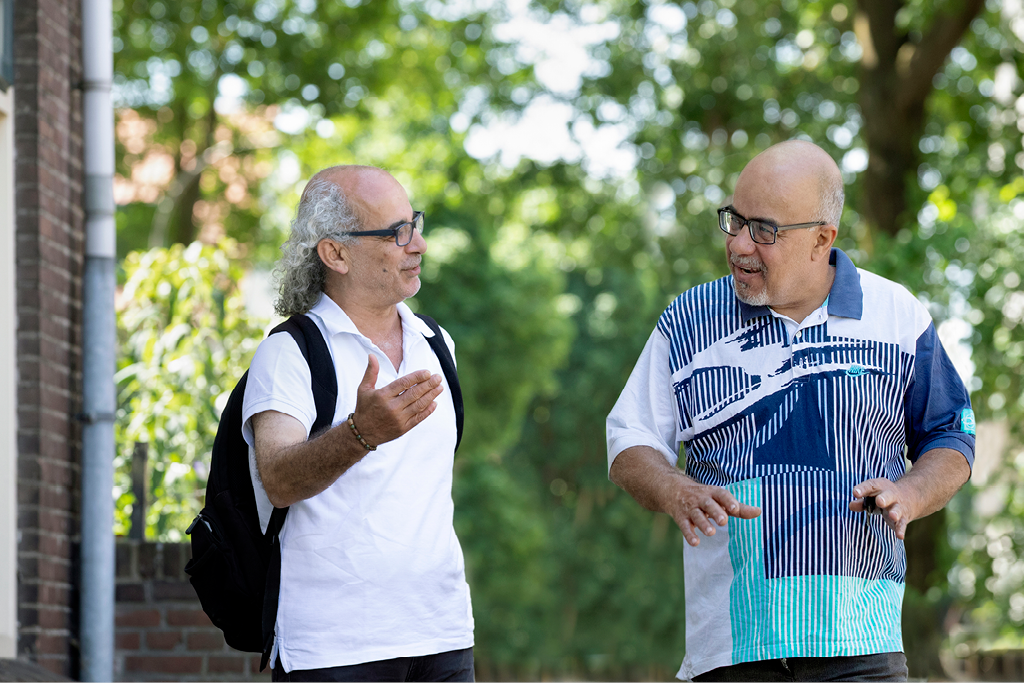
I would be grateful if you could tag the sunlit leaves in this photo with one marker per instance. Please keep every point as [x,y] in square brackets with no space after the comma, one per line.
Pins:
[185,339]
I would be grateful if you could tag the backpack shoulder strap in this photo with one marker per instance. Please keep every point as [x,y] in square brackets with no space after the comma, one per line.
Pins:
[444,355]
[314,349]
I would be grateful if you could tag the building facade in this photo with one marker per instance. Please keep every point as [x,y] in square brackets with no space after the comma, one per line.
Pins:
[46,237]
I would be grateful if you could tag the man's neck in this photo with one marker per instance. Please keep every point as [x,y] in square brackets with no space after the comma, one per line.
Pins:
[798,311]
[379,322]
[374,323]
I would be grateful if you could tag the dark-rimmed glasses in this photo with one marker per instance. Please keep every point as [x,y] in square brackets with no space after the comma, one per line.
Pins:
[761,232]
[402,232]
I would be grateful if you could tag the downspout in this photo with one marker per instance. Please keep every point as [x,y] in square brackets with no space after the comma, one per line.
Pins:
[99,343]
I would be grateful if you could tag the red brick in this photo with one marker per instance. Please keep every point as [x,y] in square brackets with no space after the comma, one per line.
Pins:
[130,592]
[55,618]
[123,560]
[162,640]
[174,591]
[207,640]
[128,641]
[140,617]
[147,560]
[51,644]
[190,617]
[225,664]
[164,664]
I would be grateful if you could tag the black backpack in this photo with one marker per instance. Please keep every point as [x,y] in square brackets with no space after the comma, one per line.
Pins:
[235,567]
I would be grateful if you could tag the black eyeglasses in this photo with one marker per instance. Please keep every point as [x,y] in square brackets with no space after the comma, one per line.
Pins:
[402,233]
[732,223]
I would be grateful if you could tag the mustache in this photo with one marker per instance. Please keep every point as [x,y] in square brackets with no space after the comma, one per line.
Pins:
[748,262]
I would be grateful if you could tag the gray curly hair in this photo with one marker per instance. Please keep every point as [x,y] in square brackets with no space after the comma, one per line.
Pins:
[323,213]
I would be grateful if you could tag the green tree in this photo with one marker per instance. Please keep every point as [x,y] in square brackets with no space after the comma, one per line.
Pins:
[550,275]
[185,339]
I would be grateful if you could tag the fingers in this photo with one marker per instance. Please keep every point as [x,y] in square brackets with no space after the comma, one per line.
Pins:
[369,381]
[406,382]
[699,508]
[896,517]
[888,501]
[686,526]
[420,416]
[389,412]
[878,488]
[733,507]
[871,487]
[419,395]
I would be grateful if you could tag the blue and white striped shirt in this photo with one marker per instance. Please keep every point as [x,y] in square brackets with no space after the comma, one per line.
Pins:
[790,418]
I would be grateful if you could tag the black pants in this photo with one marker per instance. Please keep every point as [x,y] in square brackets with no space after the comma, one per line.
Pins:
[456,665]
[889,666]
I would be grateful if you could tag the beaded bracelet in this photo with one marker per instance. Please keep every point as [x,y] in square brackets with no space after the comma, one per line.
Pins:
[352,426]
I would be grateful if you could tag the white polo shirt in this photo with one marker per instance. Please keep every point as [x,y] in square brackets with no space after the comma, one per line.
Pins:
[371,568]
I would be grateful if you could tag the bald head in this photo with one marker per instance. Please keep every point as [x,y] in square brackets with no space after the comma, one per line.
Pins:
[360,185]
[797,167]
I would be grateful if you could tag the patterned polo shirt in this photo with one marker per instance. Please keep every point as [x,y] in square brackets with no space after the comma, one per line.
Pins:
[790,417]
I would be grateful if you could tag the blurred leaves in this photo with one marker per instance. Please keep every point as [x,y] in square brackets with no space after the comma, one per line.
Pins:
[550,270]
[184,340]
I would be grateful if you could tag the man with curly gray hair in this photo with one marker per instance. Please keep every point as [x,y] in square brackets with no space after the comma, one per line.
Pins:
[373,584]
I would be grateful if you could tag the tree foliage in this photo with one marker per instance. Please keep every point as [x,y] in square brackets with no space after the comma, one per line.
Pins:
[551,271]
[185,339]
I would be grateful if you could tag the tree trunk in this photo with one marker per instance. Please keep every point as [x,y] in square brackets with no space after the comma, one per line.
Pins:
[896,80]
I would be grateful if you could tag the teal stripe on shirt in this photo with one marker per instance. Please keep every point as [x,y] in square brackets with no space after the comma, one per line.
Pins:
[773,618]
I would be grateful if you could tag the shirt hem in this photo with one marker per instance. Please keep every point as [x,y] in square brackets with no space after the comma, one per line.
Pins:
[290,662]
[622,442]
[280,406]
[778,650]
[953,441]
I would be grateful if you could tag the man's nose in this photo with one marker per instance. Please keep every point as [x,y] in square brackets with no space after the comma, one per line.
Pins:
[417,245]
[741,244]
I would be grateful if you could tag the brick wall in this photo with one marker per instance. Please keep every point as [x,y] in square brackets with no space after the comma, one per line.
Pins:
[162,632]
[49,254]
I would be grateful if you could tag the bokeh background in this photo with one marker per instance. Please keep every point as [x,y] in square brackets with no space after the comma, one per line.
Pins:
[570,157]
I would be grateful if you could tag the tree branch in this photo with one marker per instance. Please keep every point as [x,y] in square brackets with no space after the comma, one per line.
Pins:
[931,52]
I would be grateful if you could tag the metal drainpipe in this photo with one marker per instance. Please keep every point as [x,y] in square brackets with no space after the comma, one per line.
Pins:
[99,343]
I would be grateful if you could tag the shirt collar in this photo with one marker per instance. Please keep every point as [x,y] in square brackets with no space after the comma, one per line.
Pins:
[846,298]
[336,320]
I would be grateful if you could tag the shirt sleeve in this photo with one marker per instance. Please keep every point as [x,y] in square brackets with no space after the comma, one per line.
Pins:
[644,414]
[937,406]
[278,380]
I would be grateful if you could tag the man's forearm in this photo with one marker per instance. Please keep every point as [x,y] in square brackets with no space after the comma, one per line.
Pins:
[302,470]
[653,482]
[934,479]
[641,472]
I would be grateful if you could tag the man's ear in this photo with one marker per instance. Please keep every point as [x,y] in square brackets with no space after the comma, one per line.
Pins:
[334,255]
[825,239]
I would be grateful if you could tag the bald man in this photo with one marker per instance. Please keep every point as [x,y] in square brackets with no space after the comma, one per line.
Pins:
[373,584]
[795,386]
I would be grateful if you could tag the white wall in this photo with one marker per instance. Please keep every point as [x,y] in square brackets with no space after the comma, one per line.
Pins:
[8,393]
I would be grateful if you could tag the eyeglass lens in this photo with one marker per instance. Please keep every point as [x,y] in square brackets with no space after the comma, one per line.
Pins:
[404,234]
[762,233]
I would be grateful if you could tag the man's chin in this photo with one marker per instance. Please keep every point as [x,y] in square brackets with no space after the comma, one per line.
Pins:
[750,298]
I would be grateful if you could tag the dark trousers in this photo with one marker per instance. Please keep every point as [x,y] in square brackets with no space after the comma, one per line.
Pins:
[889,666]
[456,665]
